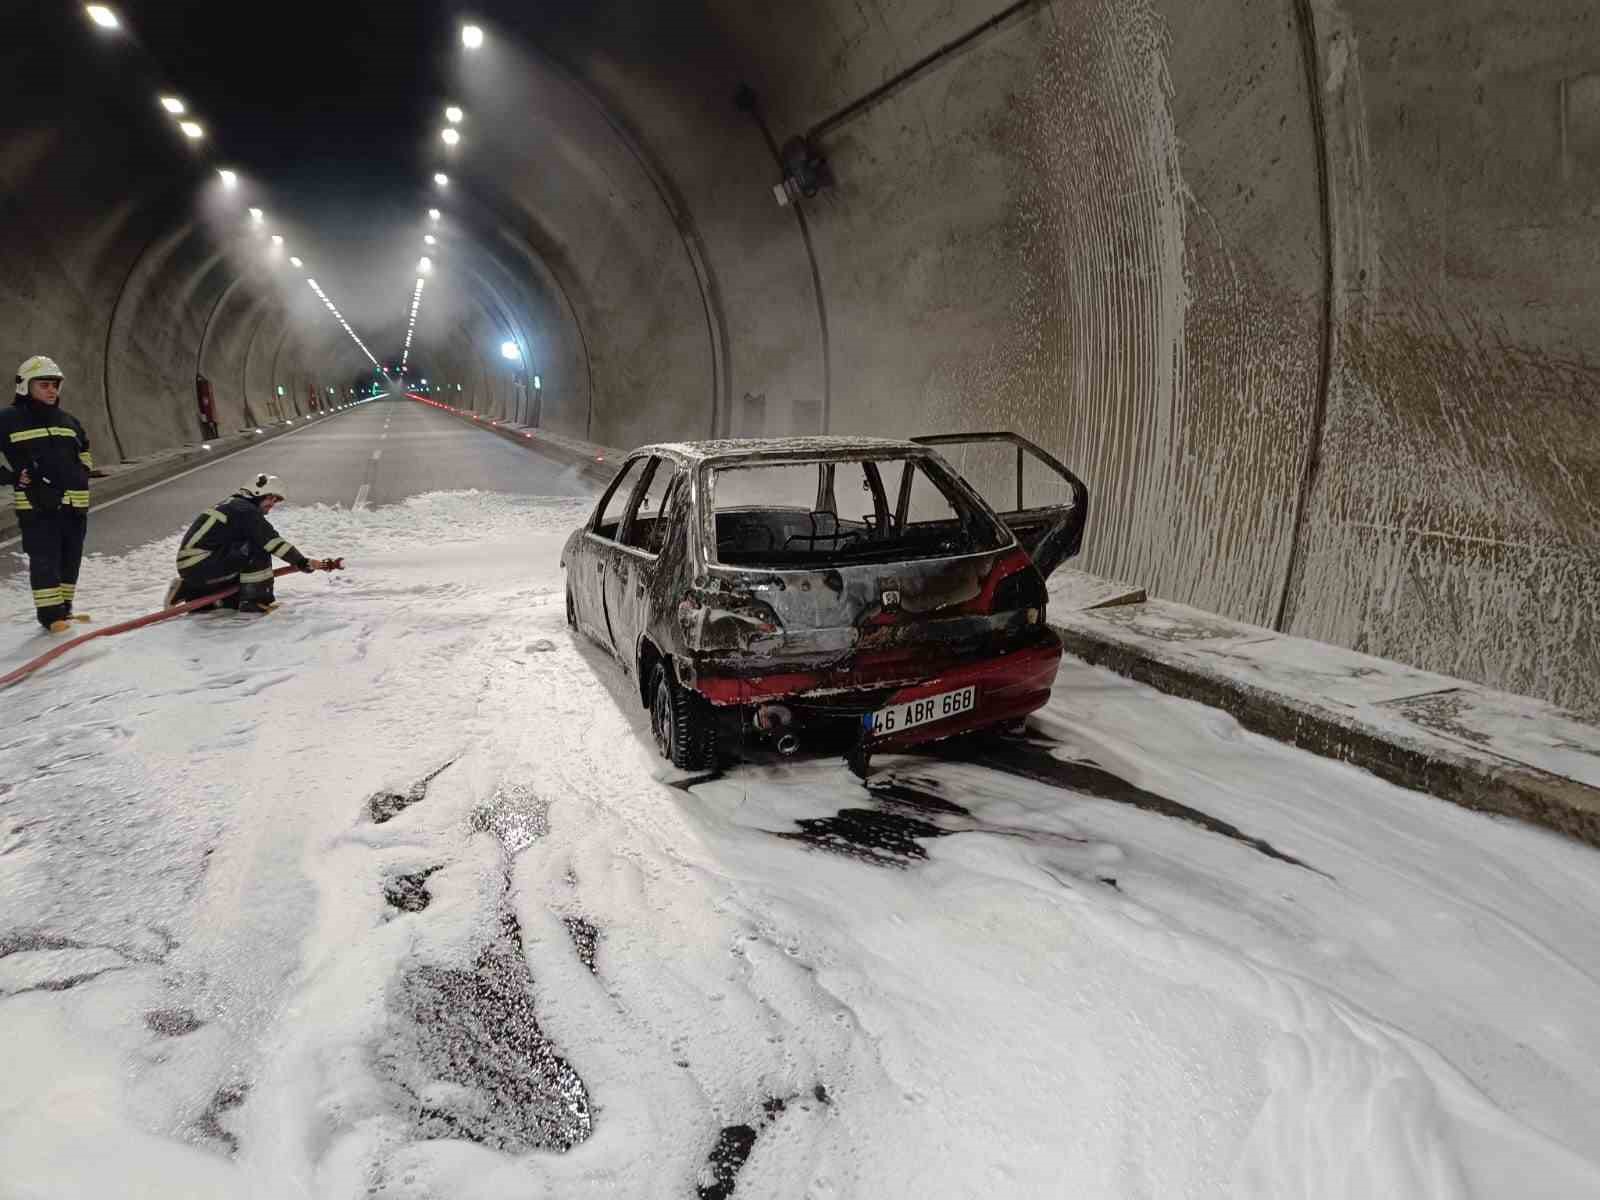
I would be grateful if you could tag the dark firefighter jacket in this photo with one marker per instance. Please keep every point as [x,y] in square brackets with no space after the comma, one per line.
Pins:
[226,536]
[53,448]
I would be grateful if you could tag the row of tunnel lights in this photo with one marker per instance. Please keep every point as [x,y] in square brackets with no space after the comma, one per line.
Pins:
[106,18]
[472,39]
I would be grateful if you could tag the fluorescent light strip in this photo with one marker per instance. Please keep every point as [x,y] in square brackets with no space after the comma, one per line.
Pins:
[411,323]
[345,325]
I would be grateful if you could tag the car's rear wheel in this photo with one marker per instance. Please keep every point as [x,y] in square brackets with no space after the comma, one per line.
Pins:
[682,724]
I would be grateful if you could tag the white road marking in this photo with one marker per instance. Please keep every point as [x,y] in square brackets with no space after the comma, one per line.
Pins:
[361,496]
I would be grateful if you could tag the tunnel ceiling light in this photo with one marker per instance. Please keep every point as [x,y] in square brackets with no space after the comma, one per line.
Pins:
[453,114]
[441,179]
[103,16]
[433,214]
[277,239]
[230,179]
[295,262]
[509,350]
[173,105]
[450,136]
[429,240]
[191,130]
[257,216]
[471,36]
[425,264]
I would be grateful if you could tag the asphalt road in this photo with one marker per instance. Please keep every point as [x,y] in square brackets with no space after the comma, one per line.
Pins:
[376,453]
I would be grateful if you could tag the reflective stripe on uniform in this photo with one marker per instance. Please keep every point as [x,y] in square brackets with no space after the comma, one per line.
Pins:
[69,591]
[280,547]
[60,431]
[20,501]
[255,576]
[31,435]
[46,597]
[75,499]
[191,554]
[86,458]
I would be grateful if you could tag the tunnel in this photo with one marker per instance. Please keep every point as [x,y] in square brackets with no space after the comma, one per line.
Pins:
[1303,289]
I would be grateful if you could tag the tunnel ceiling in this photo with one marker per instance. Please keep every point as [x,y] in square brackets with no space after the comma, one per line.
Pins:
[331,115]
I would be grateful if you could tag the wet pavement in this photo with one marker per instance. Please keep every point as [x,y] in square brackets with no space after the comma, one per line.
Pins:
[466,1058]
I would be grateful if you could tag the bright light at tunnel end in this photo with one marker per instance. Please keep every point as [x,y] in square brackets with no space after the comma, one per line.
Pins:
[509,350]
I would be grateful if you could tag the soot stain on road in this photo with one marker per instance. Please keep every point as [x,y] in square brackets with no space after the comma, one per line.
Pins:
[467,1058]
[385,806]
[890,835]
[1033,761]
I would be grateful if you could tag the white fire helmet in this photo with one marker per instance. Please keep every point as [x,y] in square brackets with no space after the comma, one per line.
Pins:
[37,367]
[264,485]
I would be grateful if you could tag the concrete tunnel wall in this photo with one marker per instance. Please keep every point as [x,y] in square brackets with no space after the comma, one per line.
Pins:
[1299,287]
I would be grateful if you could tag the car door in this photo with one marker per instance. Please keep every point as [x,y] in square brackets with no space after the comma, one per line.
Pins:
[629,582]
[1042,502]
[597,553]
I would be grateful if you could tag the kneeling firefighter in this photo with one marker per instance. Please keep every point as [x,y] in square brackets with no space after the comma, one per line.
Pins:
[47,462]
[234,543]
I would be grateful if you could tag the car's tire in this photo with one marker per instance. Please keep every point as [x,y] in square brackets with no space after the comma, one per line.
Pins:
[682,723]
[572,610]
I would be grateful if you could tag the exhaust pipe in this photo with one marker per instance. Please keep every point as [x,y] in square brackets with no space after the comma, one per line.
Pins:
[788,744]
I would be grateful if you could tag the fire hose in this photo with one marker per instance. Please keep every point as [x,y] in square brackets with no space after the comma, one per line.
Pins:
[166,614]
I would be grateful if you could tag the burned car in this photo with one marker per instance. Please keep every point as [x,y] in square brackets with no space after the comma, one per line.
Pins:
[857,591]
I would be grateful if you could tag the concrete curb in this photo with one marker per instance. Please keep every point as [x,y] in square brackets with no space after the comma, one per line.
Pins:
[1509,790]
[131,479]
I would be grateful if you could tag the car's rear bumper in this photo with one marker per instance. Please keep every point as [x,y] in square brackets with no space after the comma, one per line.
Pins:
[1011,684]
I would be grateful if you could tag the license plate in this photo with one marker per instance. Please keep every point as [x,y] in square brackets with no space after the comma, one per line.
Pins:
[899,717]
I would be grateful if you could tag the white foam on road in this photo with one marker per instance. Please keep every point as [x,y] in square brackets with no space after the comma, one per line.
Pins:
[183,828]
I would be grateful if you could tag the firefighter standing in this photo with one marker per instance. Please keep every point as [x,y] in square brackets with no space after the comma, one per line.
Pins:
[47,462]
[234,543]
